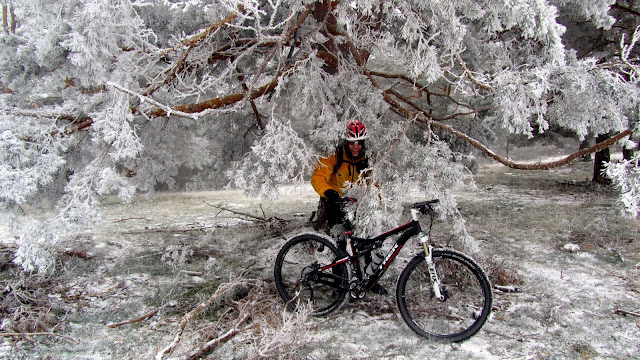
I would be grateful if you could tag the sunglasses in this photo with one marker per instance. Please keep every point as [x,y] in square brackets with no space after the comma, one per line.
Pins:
[360,142]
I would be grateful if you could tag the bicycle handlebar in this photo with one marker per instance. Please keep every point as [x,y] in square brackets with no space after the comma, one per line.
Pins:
[424,206]
[425,203]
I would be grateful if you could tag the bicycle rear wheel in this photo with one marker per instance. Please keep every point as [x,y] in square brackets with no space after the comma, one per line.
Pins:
[303,274]
[467,293]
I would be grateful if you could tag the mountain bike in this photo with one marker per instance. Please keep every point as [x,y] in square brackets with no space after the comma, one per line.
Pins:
[442,294]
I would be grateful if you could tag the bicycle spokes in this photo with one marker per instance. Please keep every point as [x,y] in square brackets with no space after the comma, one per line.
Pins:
[462,305]
[299,273]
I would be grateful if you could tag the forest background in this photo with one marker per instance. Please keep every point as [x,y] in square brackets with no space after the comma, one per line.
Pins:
[127,98]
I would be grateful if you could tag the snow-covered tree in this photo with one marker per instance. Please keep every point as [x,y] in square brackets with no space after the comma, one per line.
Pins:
[107,97]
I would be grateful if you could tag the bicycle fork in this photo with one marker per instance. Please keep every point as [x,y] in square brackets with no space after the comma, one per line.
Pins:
[433,274]
[428,257]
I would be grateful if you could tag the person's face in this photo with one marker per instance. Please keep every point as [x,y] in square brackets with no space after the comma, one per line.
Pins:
[355,147]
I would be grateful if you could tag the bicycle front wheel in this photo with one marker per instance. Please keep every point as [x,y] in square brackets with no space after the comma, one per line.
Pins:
[466,290]
[306,273]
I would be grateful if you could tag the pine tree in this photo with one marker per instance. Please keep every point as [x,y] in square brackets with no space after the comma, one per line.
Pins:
[117,96]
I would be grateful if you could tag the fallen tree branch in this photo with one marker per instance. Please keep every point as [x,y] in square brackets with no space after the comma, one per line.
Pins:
[212,344]
[262,219]
[193,313]
[136,320]
[625,312]
[507,288]
[37,334]
[130,218]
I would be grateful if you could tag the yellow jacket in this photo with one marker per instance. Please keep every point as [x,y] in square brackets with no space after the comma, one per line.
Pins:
[324,177]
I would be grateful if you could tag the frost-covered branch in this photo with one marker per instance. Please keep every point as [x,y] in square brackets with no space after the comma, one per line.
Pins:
[524,166]
[625,53]
[220,291]
[626,177]
[168,111]
[470,75]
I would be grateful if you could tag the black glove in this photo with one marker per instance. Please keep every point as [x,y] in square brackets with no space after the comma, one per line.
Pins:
[332,195]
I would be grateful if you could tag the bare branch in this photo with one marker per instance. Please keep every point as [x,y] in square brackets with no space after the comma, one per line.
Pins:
[214,103]
[168,111]
[625,312]
[233,331]
[262,219]
[193,313]
[144,317]
[37,334]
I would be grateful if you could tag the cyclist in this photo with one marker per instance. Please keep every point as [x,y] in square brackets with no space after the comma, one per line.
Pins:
[331,177]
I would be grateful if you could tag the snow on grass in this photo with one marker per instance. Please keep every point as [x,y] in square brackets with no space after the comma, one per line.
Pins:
[173,250]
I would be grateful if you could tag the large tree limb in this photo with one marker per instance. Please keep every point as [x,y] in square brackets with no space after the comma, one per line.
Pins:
[220,102]
[187,109]
[523,166]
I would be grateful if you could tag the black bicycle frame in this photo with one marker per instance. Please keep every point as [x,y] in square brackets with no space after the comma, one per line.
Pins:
[363,246]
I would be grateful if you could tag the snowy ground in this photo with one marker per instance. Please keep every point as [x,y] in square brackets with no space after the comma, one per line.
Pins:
[575,261]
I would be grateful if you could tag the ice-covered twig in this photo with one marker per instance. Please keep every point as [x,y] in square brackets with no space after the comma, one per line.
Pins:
[168,110]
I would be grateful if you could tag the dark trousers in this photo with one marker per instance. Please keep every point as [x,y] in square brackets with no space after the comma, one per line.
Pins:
[331,213]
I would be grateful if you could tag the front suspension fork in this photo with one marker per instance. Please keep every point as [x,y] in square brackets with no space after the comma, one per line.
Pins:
[433,275]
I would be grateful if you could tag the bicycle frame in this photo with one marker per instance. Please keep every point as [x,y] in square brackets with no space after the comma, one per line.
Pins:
[441,293]
[364,246]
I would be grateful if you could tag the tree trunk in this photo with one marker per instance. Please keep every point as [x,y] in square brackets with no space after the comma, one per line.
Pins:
[628,154]
[586,143]
[602,157]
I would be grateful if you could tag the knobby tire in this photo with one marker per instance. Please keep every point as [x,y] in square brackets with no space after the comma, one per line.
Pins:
[467,291]
[300,280]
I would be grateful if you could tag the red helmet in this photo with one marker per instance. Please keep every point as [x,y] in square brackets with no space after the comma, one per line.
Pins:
[355,130]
